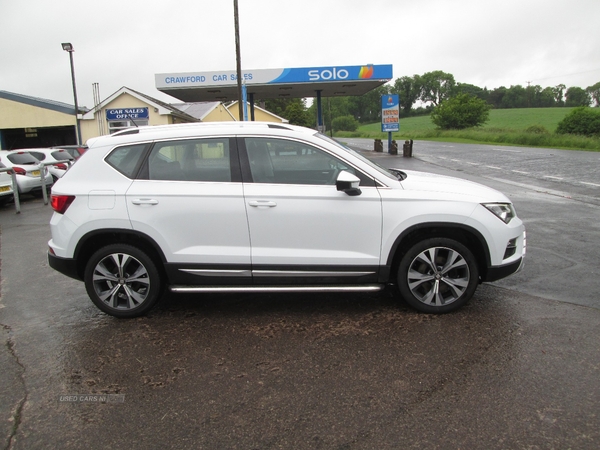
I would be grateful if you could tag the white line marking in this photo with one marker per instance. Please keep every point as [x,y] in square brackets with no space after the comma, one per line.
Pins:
[554,178]
[455,160]
[494,167]
[590,184]
[473,164]
[521,172]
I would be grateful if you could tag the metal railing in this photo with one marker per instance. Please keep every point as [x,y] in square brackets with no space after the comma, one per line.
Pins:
[15,187]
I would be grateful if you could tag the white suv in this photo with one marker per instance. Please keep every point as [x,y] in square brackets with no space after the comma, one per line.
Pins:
[235,207]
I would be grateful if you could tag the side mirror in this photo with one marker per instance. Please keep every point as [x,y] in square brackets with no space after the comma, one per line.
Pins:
[348,183]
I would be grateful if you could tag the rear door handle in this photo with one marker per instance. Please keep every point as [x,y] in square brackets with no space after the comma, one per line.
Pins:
[144,201]
[262,204]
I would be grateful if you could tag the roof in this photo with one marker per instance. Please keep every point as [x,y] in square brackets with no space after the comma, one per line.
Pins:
[199,110]
[52,105]
[229,106]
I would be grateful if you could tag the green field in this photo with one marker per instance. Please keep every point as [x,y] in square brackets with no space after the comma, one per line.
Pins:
[504,119]
[506,126]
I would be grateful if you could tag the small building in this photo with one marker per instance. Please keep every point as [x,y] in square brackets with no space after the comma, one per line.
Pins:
[129,108]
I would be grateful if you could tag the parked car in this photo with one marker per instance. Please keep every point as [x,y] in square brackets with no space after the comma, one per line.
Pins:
[27,169]
[251,206]
[74,150]
[6,188]
[61,157]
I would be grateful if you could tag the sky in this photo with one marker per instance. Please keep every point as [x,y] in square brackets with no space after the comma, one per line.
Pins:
[488,43]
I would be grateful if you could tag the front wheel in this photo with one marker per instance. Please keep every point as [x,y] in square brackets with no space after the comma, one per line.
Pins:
[122,281]
[437,275]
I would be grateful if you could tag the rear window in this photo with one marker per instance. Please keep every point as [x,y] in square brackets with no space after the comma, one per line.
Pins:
[38,155]
[61,155]
[22,158]
[126,159]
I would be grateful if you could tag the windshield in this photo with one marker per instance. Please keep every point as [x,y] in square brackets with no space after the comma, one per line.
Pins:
[375,166]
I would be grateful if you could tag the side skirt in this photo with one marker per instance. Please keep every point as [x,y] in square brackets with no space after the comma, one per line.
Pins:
[226,289]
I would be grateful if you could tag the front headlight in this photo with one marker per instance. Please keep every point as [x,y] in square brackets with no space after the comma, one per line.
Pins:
[503,211]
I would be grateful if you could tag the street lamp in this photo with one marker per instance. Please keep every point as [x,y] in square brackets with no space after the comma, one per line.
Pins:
[68,47]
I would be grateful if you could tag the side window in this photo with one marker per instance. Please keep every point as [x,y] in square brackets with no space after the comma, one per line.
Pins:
[191,160]
[282,161]
[125,159]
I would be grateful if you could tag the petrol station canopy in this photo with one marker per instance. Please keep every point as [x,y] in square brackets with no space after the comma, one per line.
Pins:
[330,81]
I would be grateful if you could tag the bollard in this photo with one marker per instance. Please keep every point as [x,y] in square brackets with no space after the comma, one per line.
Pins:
[378,145]
[394,148]
[407,149]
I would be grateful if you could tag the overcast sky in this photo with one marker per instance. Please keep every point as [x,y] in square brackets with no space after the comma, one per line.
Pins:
[117,43]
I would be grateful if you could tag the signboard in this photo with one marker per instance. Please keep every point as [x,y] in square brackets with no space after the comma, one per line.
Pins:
[390,113]
[127,113]
[275,76]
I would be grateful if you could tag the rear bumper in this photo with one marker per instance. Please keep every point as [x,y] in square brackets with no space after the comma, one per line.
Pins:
[66,266]
[499,272]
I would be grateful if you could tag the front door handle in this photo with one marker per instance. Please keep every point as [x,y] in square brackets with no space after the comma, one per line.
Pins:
[144,201]
[262,204]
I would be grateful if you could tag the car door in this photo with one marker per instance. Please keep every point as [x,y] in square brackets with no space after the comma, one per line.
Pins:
[189,199]
[302,229]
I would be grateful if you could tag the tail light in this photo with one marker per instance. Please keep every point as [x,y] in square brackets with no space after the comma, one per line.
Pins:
[61,166]
[19,171]
[60,203]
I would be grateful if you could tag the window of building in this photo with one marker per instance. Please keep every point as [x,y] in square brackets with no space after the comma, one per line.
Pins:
[114,125]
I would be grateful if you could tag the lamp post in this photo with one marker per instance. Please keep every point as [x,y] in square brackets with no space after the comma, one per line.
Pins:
[68,47]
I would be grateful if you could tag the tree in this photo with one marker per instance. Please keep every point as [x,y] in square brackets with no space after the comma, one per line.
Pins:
[545,98]
[409,91]
[577,97]
[461,111]
[582,120]
[292,109]
[437,86]
[471,89]
[344,123]
[515,97]
[594,91]
[366,108]
[496,96]
[558,92]
[297,114]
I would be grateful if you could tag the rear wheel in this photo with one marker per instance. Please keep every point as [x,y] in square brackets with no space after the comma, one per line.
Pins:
[438,275]
[122,281]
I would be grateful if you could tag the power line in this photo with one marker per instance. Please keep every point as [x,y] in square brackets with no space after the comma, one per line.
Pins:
[566,75]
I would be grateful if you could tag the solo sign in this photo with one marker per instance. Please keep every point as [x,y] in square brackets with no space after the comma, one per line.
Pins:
[127,114]
[390,113]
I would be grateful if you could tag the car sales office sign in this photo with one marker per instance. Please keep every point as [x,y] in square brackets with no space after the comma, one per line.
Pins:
[390,113]
[127,114]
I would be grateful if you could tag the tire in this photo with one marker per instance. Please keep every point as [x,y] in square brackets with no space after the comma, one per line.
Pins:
[438,275]
[122,281]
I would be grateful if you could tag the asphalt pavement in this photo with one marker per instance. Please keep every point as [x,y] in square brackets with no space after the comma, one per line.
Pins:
[518,367]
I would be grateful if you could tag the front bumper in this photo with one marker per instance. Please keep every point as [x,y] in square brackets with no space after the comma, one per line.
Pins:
[499,272]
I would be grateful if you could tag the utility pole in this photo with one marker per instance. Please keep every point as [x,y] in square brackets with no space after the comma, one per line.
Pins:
[238,59]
